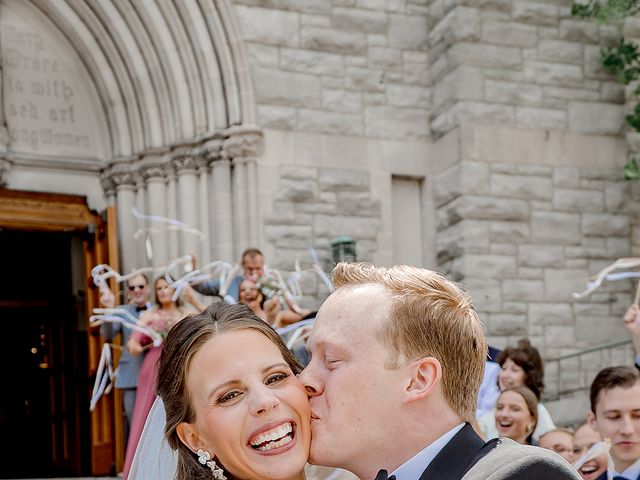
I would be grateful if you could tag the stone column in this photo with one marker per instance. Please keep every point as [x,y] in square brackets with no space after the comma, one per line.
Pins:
[154,174]
[186,166]
[173,237]
[203,208]
[222,210]
[141,206]
[125,200]
[240,206]
[243,145]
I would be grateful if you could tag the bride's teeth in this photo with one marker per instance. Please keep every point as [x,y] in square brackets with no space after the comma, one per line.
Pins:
[280,433]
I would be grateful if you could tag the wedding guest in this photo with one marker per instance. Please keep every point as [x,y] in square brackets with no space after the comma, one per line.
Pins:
[517,414]
[560,441]
[585,438]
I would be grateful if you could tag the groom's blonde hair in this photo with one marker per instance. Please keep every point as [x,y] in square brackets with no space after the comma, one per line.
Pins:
[430,316]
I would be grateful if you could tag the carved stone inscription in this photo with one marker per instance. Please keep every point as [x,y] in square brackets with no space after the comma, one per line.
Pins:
[42,105]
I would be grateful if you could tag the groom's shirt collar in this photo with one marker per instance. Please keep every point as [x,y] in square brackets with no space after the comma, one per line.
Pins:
[412,469]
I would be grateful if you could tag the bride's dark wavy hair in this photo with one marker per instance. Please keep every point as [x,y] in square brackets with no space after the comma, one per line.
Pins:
[184,340]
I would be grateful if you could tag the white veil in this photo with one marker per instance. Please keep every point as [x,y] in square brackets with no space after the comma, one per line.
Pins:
[154,458]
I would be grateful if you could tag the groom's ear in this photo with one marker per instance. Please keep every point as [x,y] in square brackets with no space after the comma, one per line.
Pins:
[424,377]
[189,436]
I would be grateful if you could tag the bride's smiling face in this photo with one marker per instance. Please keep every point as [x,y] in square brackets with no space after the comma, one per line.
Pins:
[252,413]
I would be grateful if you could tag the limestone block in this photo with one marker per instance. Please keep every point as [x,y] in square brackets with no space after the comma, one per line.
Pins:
[344,3]
[341,100]
[415,56]
[315,20]
[290,232]
[515,307]
[308,6]
[560,51]
[605,224]
[596,118]
[268,26]
[332,82]
[416,73]
[364,79]
[556,227]
[507,324]
[514,232]
[509,33]
[388,5]
[485,293]
[593,64]
[298,172]
[355,60]
[559,96]
[296,190]
[310,61]
[385,58]
[523,290]
[271,116]
[396,123]
[503,6]
[342,179]
[612,92]
[566,177]
[408,96]
[609,35]
[582,31]
[503,74]
[586,252]
[547,118]
[503,249]
[491,266]
[550,313]
[540,255]
[535,170]
[460,24]
[317,207]
[333,40]
[330,122]
[262,55]
[618,247]
[521,186]
[527,11]
[512,92]
[632,27]
[576,263]
[473,112]
[577,200]
[356,19]
[463,82]
[483,55]
[548,32]
[594,330]
[287,88]
[407,32]
[448,185]
[615,196]
[489,208]
[374,98]
[506,168]
[332,226]
[552,73]
[561,283]
[559,336]
[359,204]
[375,40]
[527,272]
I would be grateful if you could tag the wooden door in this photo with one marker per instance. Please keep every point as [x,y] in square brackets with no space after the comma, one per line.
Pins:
[44,212]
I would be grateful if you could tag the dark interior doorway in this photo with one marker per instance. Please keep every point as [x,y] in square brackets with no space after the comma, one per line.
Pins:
[44,415]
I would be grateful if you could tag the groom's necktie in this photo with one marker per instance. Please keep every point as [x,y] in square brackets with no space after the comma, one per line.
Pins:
[618,477]
[382,475]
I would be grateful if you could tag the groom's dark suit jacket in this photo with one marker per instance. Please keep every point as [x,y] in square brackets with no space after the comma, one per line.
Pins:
[468,457]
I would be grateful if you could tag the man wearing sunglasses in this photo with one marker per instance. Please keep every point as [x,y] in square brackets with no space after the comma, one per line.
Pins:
[129,366]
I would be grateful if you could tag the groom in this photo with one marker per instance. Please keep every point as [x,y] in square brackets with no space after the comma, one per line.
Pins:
[397,356]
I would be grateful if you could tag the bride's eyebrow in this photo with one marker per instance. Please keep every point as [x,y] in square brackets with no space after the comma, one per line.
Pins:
[238,382]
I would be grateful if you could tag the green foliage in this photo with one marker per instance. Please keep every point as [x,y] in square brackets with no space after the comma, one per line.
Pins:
[606,11]
[622,60]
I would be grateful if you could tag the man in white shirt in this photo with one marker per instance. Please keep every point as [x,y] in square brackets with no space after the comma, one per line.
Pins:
[397,356]
[615,414]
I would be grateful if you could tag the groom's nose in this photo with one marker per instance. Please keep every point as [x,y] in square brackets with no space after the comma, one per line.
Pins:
[312,382]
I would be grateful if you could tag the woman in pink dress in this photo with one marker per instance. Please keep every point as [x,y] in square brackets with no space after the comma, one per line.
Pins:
[160,318]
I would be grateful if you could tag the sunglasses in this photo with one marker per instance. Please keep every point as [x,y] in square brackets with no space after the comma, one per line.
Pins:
[133,287]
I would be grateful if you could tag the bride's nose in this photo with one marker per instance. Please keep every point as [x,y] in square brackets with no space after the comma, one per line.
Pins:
[263,400]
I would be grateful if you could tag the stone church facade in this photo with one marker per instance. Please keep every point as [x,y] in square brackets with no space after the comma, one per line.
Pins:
[480,138]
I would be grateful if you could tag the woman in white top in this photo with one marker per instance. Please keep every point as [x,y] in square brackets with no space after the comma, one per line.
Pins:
[520,365]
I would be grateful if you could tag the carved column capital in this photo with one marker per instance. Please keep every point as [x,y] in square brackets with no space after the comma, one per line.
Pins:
[184,159]
[211,150]
[242,142]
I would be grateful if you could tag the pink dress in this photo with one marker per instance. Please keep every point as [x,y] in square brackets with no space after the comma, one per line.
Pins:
[146,392]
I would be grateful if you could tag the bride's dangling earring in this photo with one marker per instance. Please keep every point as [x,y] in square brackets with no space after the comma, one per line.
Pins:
[205,459]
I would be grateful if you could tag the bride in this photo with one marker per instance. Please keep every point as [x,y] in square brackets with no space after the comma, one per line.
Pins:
[234,407]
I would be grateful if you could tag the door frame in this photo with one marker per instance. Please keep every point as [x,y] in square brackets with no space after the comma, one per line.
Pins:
[51,212]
